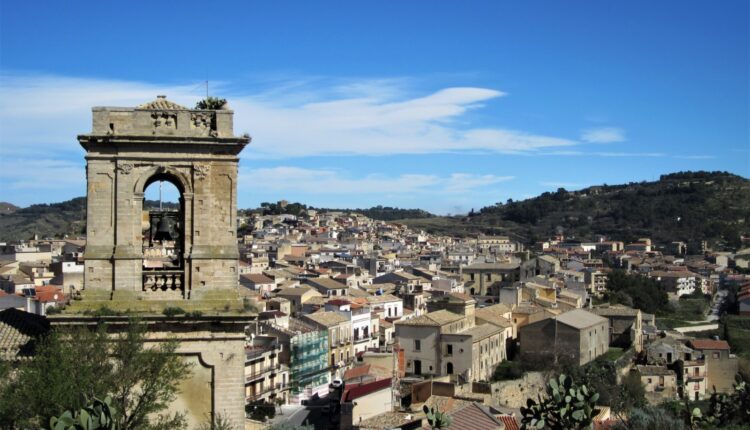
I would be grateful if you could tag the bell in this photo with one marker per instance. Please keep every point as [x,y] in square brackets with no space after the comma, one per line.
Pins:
[162,230]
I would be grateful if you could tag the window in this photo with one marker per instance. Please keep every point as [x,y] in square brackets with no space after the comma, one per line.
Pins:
[450,349]
[715,355]
[417,345]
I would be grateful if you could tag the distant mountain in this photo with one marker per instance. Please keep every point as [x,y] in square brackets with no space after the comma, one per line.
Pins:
[382,213]
[6,208]
[386,213]
[685,206]
[53,220]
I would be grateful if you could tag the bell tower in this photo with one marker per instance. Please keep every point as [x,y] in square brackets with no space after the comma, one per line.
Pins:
[142,258]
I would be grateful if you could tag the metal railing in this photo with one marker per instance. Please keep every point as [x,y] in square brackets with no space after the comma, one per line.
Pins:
[258,373]
[266,389]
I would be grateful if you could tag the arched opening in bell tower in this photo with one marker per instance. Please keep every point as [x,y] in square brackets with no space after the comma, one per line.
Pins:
[163,232]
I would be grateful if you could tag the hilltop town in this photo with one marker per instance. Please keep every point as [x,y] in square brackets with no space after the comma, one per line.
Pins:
[359,323]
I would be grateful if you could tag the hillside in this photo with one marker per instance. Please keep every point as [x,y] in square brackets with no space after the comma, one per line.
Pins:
[53,220]
[382,213]
[386,213]
[687,206]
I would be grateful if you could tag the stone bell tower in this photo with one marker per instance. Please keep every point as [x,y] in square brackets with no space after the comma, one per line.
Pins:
[142,259]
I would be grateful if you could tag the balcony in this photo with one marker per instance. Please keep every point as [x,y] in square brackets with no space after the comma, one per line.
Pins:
[164,283]
[259,372]
[362,339]
[279,386]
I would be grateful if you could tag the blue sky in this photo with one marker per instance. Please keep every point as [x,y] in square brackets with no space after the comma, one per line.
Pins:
[445,106]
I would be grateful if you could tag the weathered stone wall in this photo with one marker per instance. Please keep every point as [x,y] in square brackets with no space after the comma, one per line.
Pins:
[513,394]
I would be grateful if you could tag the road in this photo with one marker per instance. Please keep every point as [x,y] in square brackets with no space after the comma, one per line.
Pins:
[715,313]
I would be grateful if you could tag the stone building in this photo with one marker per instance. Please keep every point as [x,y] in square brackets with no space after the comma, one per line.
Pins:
[266,378]
[721,365]
[625,326]
[577,334]
[659,383]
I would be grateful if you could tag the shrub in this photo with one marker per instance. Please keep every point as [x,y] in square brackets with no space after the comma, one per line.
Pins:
[171,311]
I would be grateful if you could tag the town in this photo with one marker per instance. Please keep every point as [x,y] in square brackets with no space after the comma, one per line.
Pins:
[374,215]
[359,323]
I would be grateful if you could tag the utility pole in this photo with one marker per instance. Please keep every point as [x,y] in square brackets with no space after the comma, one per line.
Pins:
[206,89]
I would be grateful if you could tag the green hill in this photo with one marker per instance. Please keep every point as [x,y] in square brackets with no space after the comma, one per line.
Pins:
[45,220]
[686,206]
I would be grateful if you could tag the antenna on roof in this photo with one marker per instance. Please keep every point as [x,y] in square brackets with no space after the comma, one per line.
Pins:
[207,89]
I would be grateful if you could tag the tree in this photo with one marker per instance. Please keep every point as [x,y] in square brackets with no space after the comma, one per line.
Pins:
[74,365]
[211,103]
[566,406]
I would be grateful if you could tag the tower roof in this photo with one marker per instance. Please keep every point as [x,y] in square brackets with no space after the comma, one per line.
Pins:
[161,103]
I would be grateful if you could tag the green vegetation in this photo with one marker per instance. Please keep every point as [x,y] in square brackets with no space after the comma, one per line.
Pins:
[437,419]
[260,411]
[73,365]
[565,406]
[508,370]
[278,209]
[386,213]
[613,354]
[687,206]
[53,220]
[171,311]
[637,291]
[103,311]
[735,329]
[95,416]
[211,103]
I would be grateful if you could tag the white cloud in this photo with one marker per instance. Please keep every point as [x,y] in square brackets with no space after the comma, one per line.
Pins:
[27,174]
[695,157]
[603,135]
[292,119]
[329,181]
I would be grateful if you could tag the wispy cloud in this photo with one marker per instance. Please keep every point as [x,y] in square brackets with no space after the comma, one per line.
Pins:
[606,154]
[603,135]
[331,181]
[29,174]
[696,157]
[291,119]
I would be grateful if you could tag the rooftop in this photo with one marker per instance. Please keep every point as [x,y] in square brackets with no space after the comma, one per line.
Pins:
[709,344]
[326,319]
[578,318]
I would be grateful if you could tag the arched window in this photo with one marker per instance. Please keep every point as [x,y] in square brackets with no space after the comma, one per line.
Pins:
[163,233]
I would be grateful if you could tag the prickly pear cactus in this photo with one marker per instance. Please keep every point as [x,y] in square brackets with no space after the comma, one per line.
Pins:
[95,416]
[437,419]
[565,406]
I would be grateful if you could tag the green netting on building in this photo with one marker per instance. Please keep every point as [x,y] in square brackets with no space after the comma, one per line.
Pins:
[309,360]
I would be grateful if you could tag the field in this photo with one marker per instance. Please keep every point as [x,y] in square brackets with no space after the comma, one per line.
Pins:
[736,330]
